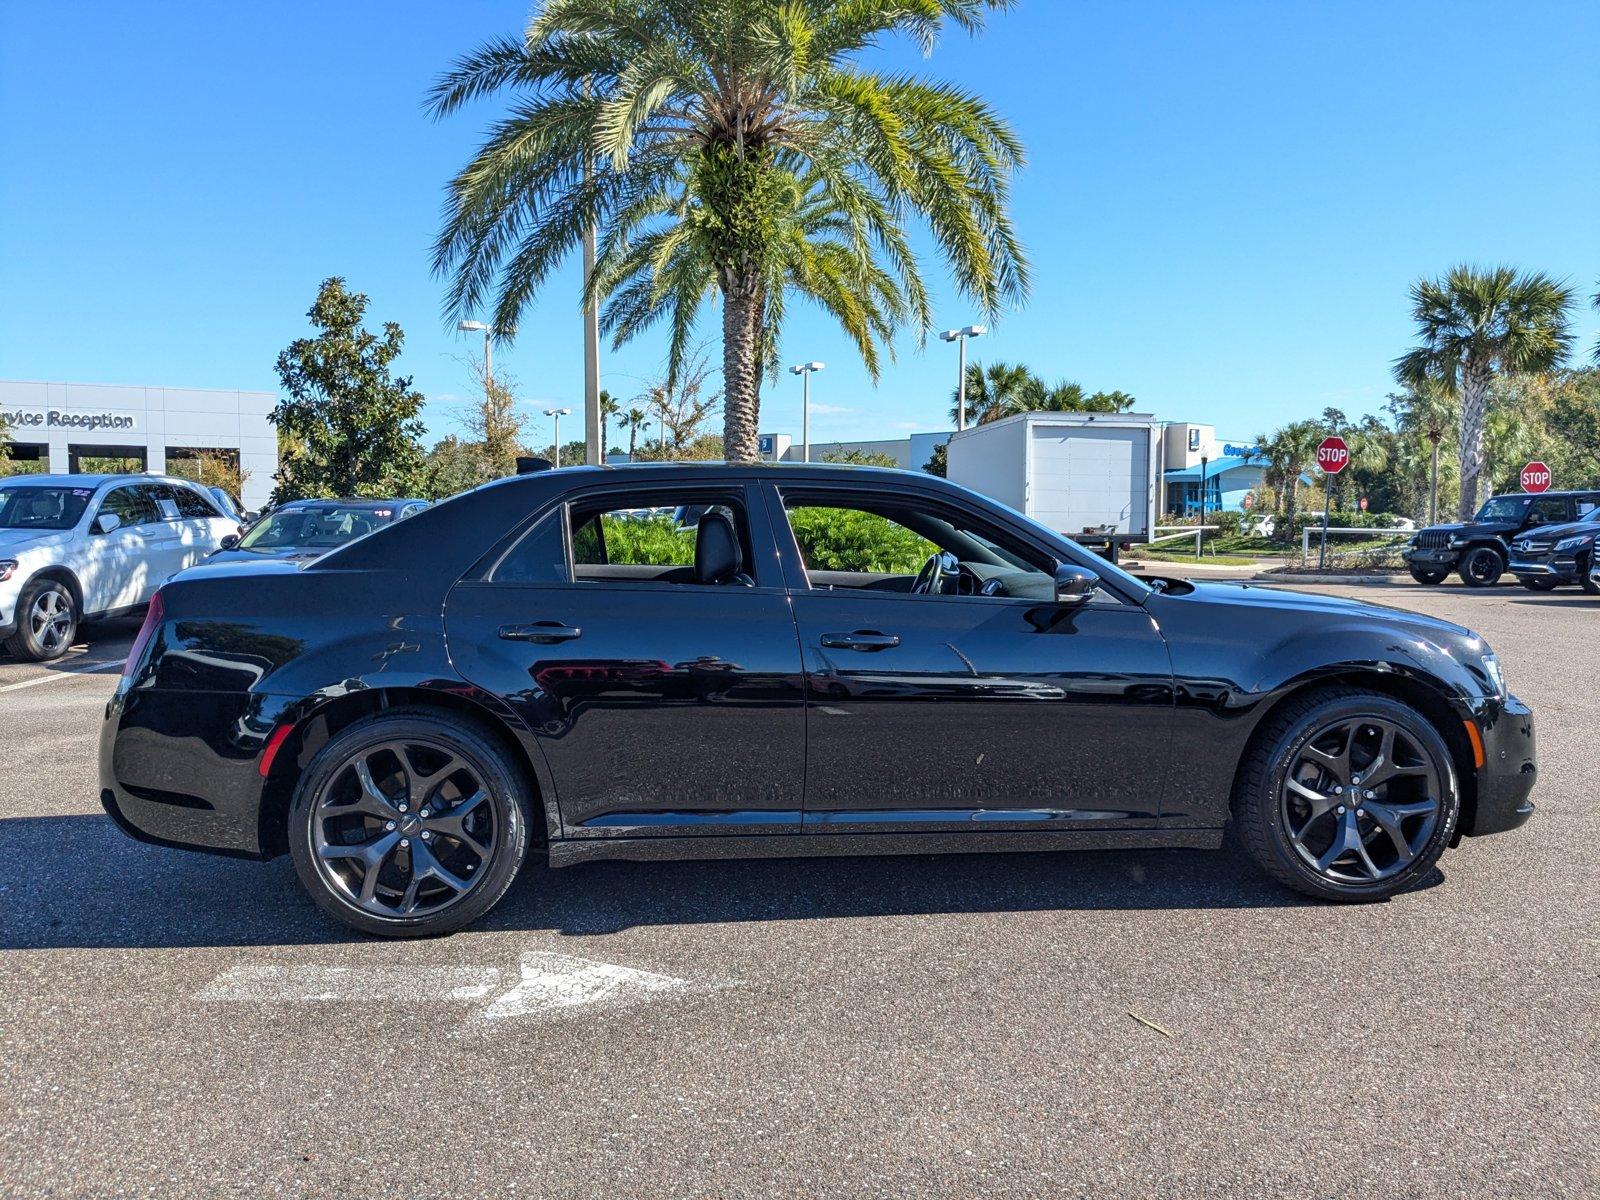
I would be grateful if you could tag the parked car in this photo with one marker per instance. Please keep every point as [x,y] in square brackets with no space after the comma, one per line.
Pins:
[524,669]
[229,504]
[1479,550]
[1555,555]
[78,547]
[304,529]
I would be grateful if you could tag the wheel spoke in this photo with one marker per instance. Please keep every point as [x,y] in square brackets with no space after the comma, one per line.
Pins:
[421,787]
[425,864]
[371,801]
[1388,821]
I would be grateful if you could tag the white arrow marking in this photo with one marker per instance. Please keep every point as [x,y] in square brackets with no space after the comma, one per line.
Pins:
[553,982]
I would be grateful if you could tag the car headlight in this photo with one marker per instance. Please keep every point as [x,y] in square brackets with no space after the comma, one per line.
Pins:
[1575,543]
[8,568]
[1497,679]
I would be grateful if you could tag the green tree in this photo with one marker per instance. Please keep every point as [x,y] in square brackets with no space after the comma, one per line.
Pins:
[609,407]
[453,466]
[1290,452]
[1474,325]
[351,428]
[496,424]
[996,391]
[939,461]
[859,458]
[633,421]
[734,148]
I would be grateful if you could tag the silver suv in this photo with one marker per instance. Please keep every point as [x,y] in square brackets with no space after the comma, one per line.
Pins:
[78,547]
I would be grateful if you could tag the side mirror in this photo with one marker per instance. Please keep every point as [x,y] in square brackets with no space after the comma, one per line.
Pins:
[1075,585]
[229,541]
[107,522]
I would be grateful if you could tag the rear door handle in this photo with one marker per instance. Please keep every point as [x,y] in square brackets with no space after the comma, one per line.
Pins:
[546,633]
[861,639]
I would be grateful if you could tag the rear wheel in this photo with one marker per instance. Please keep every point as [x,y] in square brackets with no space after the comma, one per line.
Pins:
[47,621]
[1347,796]
[1482,566]
[1539,583]
[409,823]
[1424,575]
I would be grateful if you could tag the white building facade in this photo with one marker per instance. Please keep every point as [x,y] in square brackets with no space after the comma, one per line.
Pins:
[70,427]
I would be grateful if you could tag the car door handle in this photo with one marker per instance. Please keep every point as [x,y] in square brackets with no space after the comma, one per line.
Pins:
[546,633]
[861,639]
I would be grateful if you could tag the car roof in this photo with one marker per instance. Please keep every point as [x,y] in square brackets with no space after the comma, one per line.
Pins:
[92,481]
[363,502]
[1536,495]
[712,471]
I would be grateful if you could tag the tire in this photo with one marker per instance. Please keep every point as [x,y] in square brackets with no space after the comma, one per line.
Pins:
[1482,566]
[1539,583]
[338,828]
[1265,806]
[1585,564]
[47,622]
[1423,575]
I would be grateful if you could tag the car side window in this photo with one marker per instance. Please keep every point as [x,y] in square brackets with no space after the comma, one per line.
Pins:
[898,544]
[540,555]
[695,538]
[193,506]
[133,504]
[165,498]
[1548,510]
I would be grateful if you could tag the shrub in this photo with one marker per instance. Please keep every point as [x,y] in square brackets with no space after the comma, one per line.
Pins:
[842,539]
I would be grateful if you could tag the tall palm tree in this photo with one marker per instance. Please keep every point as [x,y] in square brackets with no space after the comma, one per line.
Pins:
[726,131]
[1289,453]
[1596,301]
[608,409]
[1476,324]
[996,391]
[634,420]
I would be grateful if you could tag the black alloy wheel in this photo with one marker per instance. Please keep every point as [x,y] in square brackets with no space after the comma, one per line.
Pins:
[409,823]
[1482,566]
[1348,796]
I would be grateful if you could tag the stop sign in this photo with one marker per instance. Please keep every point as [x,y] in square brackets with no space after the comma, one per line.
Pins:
[1333,455]
[1536,477]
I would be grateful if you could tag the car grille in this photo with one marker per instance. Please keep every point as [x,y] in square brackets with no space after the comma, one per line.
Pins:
[1532,549]
[1430,540]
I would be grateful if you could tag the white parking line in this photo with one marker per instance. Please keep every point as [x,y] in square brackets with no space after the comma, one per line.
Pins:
[64,673]
[547,984]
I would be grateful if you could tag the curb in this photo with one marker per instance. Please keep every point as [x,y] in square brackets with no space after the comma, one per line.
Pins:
[1367,580]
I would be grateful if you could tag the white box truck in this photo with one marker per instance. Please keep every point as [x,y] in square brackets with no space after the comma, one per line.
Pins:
[1078,473]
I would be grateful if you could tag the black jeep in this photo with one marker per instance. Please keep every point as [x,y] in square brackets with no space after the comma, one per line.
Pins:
[1479,550]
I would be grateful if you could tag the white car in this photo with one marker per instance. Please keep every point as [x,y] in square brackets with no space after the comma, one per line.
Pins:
[79,547]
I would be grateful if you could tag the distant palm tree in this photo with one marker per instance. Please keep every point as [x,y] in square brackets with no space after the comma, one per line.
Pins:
[634,420]
[608,409]
[1474,325]
[743,141]
[996,391]
[1596,299]
[1289,453]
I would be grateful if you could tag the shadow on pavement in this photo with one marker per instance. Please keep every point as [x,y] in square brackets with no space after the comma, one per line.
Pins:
[76,881]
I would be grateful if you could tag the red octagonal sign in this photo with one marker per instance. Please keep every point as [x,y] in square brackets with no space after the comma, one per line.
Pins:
[1333,455]
[1536,477]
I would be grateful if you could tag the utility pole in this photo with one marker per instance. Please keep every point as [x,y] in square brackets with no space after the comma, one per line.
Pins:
[960,337]
[594,451]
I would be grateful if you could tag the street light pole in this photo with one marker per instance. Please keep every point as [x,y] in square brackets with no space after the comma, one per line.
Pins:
[558,413]
[488,350]
[960,337]
[805,371]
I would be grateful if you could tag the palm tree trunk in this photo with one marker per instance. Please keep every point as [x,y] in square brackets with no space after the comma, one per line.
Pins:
[633,440]
[1474,403]
[741,372]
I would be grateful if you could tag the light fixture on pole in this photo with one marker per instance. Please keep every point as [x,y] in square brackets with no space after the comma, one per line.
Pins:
[488,354]
[805,370]
[960,337]
[558,413]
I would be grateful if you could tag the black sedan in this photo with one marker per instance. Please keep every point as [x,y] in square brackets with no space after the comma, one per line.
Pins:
[719,661]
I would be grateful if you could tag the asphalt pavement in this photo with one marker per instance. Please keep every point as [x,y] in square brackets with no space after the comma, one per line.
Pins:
[1150,1024]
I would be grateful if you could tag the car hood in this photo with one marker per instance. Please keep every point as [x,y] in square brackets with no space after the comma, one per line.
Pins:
[1474,528]
[1546,533]
[1314,605]
[14,541]
[288,555]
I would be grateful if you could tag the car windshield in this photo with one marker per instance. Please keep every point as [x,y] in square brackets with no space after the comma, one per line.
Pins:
[1504,508]
[34,507]
[313,528]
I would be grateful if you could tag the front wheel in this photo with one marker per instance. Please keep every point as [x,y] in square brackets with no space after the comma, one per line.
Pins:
[409,823]
[47,622]
[1482,566]
[1347,796]
[1424,575]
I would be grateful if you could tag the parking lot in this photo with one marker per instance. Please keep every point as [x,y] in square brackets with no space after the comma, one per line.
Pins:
[1143,1023]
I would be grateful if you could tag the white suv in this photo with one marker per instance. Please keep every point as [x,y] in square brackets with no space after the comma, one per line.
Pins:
[77,547]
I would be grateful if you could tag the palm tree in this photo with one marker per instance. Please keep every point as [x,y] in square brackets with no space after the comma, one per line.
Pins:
[1289,453]
[634,420]
[1596,300]
[996,391]
[608,409]
[704,128]
[1474,325]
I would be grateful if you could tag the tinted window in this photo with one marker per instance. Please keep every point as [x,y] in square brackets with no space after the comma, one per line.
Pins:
[320,527]
[1503,508]
[192,505]
[134,504]
[650,537]
[42,507]
[540,557]
[1548,509]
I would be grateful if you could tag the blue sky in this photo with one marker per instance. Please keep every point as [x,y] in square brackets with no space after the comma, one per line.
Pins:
[1224,205]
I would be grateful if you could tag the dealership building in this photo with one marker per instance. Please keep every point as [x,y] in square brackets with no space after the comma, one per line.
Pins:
[89,428]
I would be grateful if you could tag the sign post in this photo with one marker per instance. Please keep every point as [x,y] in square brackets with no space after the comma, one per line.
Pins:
[1536,477]
[1333,456]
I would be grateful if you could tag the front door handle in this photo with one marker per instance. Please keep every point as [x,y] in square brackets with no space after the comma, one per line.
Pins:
[546,633]
[861,639]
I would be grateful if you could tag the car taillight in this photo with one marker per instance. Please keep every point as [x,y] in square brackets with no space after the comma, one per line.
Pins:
[152,618]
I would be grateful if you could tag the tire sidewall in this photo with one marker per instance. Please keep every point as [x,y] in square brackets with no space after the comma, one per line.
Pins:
[460,737]
[22,643]
[1283,756]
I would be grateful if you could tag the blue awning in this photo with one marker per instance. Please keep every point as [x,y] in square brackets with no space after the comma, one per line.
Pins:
[1216,467]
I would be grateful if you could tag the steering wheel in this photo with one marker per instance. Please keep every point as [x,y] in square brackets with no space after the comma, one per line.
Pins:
[941,565]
